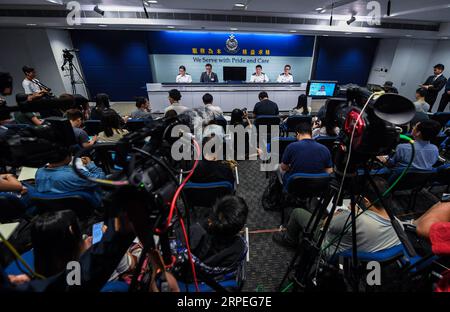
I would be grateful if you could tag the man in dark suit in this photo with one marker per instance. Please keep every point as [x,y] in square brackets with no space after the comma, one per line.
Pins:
[265,106]
[445,98]
[434,84]
[209,76]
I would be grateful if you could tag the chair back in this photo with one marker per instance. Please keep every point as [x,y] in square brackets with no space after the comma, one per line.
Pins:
[307,185]
[93,127]
[82,203]
[206,194]
[414,179]
[135,124]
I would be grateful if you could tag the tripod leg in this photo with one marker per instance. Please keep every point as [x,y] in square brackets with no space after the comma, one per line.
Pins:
[307,233]
[310,248]
[355,266]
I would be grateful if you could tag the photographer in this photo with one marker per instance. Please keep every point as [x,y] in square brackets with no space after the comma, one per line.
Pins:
[31,85]
[375,231]
[218,244]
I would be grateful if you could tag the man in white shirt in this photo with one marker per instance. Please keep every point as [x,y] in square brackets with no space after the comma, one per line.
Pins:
[183,77]
[208,101]
[31,85]
[174,98]
[286,77]
[259,76]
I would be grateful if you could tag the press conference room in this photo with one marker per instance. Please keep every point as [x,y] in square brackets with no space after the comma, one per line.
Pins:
[232,147]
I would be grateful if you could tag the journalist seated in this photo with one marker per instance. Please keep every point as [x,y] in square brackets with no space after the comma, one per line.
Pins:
[59,177]
[143,110]
[374,228]
[113,125]
[305,155]
[212,167]
[426,154]
[57,239]
[218,244]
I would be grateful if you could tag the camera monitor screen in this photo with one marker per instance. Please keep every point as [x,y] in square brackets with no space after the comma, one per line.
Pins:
[234,73]
[321,88]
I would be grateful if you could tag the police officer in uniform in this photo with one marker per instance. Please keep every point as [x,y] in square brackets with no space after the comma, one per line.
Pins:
[286,77]
[183,77]
[259,76]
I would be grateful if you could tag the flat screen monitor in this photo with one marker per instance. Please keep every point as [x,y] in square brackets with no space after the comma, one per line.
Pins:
[321,89]
[232,73]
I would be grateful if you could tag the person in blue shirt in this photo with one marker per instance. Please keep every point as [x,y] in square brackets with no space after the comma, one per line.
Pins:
[60,178]
[305,155]
[426,154]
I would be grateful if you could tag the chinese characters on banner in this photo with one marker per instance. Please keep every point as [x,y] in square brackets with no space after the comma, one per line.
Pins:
[210,51]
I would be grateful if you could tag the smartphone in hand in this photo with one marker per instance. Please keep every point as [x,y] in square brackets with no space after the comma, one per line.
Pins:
[97,232]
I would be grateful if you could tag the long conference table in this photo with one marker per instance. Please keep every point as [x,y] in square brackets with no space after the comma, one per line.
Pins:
[227,96]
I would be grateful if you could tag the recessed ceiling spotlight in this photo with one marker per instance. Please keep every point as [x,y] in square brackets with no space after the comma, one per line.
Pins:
[348,33]
[150,1]
[368,37]
[351,20]
[239,5]
[323,11]
[31,24]
[102,25]
[99,11]
[171,27]
[292,31]
[408,36]
[233,29]
[325,35]
[56,2]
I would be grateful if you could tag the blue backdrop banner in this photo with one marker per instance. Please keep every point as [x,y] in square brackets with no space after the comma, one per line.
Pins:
[221,43]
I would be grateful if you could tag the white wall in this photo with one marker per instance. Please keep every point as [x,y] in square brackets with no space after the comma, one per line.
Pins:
[60,40]
[409,63]
[38,48]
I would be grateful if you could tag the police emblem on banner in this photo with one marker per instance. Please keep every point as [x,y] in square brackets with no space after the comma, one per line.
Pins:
[231,45]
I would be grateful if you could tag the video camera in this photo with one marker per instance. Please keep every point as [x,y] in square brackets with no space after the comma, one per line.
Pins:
[369,123]
[24,145]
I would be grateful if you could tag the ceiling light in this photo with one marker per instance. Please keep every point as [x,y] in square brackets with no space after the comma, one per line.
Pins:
[292,31]
[319,9]
[323,11]
[102,25]
[445,38]
[233,29]
[325,35]
[408,36]
[351,20]
[171,27]
[56,2]
[31,24]
[239,5]
[150,1]
[348,33]
[368,37]
[99,11]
